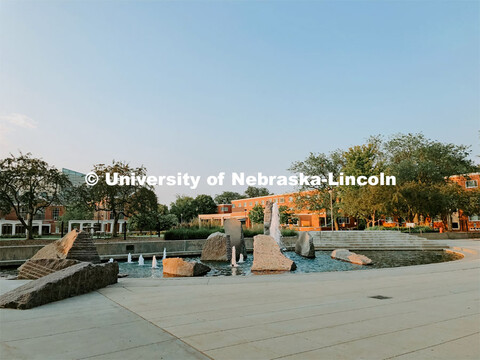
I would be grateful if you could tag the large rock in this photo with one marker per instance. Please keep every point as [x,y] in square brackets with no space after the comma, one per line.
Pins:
[73,248]
[37,268]
[348,256]
[76,245]
[216,247]
[71,281]
[304,245]
[233,228]
[180,267]
[267,217]
[268,257]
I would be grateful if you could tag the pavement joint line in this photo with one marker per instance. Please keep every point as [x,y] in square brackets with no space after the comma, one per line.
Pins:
[72,331]
[168,332]
[304,331]
[130,348]
[432,346]
[372,336]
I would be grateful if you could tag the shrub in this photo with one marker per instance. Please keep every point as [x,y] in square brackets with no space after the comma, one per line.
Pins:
[415,230]
[190,233]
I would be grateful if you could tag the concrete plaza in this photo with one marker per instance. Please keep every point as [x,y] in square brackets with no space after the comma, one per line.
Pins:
[430,312]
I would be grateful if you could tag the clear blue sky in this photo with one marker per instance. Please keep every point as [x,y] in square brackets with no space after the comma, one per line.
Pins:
[203,87]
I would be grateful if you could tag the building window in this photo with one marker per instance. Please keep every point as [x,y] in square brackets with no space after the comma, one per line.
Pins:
[290,198]
[263,202]
[343,220]
[256,202]
[282,200]
[245,204]
[55,213]
[474,218]
[233,205]
[225,208]
[470,184]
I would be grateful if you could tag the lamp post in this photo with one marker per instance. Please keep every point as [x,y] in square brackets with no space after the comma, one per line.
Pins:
[331,208]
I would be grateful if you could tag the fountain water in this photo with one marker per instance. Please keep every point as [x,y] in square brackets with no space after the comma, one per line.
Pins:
[154,263]
[275,227]
[240,259]
[234,258]
[129,258]
[164,253]
[141,261]
[111,260]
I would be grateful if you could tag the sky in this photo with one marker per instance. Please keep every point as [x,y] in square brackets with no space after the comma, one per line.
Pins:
[244,86]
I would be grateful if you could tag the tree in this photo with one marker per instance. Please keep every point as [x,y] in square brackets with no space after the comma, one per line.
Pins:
[117,199]
[167,221]
[286,214]
[76,206]
[227,196]
[184,208]
[253,191]
[145,210]
[316,198]
[422,168]
[27,186]
[204,204]
[256,214]
[364,202]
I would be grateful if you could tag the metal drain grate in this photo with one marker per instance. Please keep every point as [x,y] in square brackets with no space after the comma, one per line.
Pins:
[380,297]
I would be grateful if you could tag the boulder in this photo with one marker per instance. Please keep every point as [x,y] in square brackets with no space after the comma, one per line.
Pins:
[76,245]
[216,247]
[304,245]
[268,257]
[180,267]
[71,281]
[267,217]
[37,268]
[348,256]
[233,228]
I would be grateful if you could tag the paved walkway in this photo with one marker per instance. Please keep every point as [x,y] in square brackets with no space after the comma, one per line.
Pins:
[431,312]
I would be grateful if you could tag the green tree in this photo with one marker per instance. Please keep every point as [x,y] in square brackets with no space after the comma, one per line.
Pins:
[119,200]
[227,196]
[253,191]
[256,214]
[27,186]
[167,221]
[204,204]
[364,202]
[184,208]
[316,198]
[422,168]
[145,210]
[286,214]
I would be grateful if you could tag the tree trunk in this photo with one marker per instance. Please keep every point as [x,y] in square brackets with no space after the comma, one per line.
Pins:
[115,223]
[29,228]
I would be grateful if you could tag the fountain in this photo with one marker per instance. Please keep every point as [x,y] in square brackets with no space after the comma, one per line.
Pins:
[275,227]
[240,259]
[111,260]
[129,258]
[141,261]
[234,258]
[154,262]
[164,254]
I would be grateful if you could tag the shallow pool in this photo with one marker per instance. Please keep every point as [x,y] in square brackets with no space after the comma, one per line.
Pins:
[322,263]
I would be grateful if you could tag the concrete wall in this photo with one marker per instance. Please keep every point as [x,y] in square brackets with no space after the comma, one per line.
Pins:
[449,235]
[16,255]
